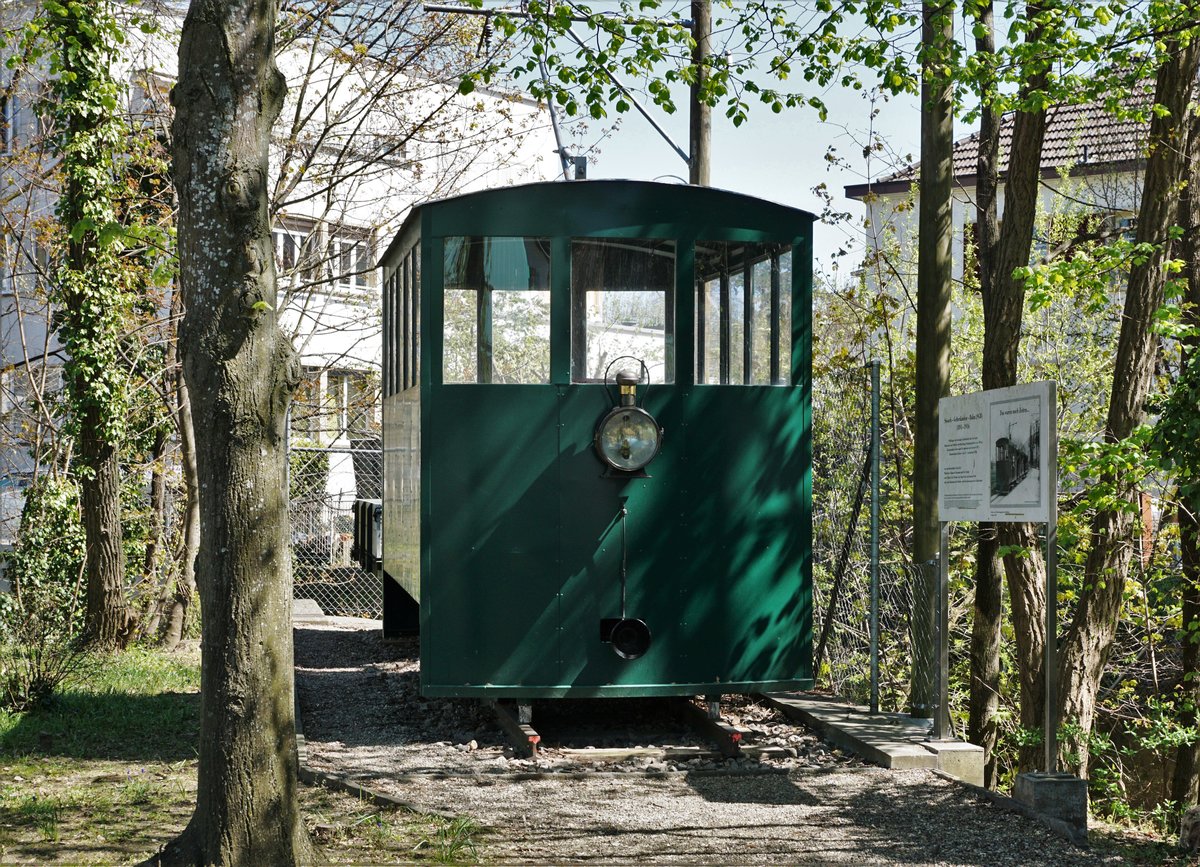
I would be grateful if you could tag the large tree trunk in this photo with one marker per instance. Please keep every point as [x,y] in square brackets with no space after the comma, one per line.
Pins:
[1185,786]
[1001,251]
[933,333]
[240,373]
[988,612]
[1003,310]
[1113,532]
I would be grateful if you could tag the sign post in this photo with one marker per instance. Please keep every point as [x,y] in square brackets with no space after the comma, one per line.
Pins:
[998,461]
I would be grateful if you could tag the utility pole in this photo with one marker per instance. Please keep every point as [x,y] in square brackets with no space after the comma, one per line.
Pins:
[700,132]
[933,334]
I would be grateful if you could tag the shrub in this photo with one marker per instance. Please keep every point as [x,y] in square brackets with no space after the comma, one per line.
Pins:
[41,619]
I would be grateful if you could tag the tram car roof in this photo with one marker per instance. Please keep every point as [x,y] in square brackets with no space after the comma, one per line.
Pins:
[601,206]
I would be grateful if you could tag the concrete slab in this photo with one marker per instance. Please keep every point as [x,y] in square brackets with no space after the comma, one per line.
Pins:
[887,739]
[306,611]
[959,759]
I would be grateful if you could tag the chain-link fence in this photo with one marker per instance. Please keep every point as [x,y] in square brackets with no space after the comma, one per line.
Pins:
[842,550]
[323,483]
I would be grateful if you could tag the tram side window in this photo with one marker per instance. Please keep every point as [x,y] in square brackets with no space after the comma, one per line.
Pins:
[413,346]
[743,313]
[622,303]
[496,310]
[389,334]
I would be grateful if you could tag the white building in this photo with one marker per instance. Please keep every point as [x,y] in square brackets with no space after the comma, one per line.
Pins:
[372,125]
[1091,164]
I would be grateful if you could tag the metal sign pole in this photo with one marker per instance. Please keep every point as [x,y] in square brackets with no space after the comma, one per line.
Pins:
[941,718]
[875,365]
[1049,462]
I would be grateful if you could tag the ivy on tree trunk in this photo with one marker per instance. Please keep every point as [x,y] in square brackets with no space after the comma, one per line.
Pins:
[92,290]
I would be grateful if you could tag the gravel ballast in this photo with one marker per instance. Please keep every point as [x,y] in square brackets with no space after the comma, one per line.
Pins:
[364,719]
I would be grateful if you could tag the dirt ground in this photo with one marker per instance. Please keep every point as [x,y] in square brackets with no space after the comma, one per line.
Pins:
[364,719]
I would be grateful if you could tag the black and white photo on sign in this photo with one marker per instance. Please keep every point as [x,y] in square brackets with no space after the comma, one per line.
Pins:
[1016,438]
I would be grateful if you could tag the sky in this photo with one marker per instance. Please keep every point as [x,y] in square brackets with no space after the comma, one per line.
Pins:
[780,157]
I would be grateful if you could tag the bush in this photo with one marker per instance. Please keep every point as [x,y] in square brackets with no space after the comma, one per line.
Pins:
[42,618]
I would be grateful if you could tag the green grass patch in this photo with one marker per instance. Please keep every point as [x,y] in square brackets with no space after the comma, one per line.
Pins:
[138,705]
[106,774]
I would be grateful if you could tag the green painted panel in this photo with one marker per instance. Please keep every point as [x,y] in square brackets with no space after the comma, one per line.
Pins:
[717,543]
[592,541]
[489,597]
[749,530]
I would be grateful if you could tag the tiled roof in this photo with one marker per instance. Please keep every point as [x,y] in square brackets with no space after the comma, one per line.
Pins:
[1085,137]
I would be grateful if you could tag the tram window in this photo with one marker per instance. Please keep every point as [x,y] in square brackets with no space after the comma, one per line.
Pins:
[622,303]
[496,310]
[743,313]
[389,334]
[413,338]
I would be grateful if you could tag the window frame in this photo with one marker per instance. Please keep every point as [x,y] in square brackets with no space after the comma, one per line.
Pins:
[779,362]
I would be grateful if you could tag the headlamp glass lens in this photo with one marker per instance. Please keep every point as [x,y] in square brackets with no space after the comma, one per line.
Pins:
[628,438]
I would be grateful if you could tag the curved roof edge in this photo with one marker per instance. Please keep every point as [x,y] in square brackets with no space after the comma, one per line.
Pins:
[595,188]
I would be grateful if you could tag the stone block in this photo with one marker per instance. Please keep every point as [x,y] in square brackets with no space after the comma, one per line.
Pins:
[1056,799]
[960,760]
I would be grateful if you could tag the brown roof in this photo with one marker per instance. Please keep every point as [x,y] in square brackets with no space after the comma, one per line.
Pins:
[1086,137]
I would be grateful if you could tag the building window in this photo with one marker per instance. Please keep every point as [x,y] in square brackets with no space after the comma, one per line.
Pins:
[352,264]
[306,407]
[287,246]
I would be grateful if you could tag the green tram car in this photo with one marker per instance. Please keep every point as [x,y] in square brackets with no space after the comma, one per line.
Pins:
[597,442]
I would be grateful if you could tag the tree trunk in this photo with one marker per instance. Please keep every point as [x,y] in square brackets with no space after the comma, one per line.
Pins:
[933,333]
[987,616]
[1185,786]
[85,334]
[1003,310]
[189,540]
[984,694]
[240,373]
[1001,250]
[158,505]
[106,620]
[1113,532]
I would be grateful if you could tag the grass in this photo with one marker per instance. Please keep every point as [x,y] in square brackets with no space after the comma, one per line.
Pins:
[106,774]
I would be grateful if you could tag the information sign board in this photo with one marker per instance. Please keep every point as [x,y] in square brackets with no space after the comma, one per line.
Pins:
[995,455]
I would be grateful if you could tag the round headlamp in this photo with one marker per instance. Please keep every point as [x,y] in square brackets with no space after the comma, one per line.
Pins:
[628,438]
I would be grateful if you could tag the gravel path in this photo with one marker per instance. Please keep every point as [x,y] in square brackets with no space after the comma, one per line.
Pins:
[363,718]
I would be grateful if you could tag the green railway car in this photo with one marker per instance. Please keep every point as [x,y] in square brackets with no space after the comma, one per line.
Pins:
[597,454]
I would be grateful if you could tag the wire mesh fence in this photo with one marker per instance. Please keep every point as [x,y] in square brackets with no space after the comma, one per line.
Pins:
[842,551]
[323,483]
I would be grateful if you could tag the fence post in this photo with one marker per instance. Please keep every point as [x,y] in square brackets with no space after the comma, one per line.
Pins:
[875,366]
